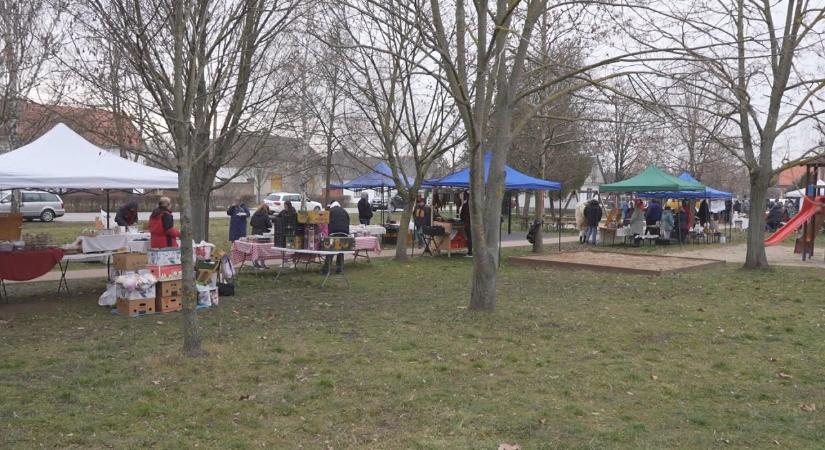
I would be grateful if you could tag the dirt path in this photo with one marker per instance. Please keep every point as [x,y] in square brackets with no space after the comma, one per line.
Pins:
[779,255]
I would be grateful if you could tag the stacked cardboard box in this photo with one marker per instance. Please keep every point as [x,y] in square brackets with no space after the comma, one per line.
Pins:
[165,265]
[135,293]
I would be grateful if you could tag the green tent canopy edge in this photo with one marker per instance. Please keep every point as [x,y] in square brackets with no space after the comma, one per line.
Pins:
[652,179]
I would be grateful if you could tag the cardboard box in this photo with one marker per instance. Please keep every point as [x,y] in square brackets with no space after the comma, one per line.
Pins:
[163,257]
[137,294]
[129,261]
[167,273]
[303,216]
[169,288]
[168,304]
[134,308]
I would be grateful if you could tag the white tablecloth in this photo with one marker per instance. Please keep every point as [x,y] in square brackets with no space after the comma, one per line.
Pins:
[367,230]
[114,242]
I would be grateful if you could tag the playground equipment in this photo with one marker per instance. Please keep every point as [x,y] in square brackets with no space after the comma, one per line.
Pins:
[811,215]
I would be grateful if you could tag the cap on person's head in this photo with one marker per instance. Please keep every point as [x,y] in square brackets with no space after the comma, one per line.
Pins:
[334,204]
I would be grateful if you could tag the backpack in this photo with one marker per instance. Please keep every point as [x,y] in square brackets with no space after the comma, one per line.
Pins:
[534,228]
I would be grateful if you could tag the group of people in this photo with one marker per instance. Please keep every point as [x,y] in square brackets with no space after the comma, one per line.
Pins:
[261,223]
[779,213]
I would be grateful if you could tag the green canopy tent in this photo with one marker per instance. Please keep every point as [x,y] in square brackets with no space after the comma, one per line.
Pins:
[652,179]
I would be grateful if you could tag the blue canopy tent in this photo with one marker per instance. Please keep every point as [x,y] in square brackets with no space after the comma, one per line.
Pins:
[513,181]
[707,193]
[380,178]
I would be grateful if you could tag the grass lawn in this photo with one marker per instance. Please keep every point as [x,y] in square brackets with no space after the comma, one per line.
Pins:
[571,359]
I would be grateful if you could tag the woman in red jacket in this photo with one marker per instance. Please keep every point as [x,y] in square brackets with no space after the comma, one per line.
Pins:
[162,226]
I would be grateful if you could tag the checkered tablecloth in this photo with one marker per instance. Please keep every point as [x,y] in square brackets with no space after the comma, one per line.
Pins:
[369,243]
[249,251]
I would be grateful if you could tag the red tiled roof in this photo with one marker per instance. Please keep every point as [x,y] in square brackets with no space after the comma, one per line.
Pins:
[100,127]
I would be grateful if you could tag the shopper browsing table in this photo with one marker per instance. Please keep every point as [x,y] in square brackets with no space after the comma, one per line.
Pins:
[238,214]
[338,223]
[364,209]
[162,225]
[127,215]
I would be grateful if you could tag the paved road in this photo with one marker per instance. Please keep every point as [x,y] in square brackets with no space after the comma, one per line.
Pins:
[142,216]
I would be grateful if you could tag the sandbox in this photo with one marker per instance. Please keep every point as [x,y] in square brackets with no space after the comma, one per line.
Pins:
[616,262]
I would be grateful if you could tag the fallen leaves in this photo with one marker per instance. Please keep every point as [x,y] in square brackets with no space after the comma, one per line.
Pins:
[248,397]
[809,407]
[784,376]
[509,447]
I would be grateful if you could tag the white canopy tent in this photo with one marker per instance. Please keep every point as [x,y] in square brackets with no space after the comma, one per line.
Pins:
[63,159]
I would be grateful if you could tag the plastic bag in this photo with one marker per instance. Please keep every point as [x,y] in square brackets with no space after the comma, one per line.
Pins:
[108,297]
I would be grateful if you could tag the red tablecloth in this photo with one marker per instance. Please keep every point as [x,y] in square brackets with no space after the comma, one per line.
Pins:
[28,264]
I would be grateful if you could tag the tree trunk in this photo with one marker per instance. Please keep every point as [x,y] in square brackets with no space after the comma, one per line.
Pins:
[191,331]
[200,193]
[538,239]
[404,228]
[756,257]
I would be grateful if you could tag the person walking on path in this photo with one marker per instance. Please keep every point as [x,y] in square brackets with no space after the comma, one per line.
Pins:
[364,209]
[238,215]
[592,216]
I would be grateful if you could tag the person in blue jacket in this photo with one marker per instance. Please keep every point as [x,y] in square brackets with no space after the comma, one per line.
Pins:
[238,215]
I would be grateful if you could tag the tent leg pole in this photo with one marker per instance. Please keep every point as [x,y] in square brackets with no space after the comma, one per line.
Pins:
[558,227]
[509,213]
[107,209]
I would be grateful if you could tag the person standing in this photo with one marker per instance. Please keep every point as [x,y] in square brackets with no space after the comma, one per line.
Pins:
[127,215]
[338,223]
[464,215]
[261,224]
[581,223]
[421,219]
[592,217]
[667,223]
[238,214]
[162,226]
[637,222]
[653,215]
[364,209]
[704,213]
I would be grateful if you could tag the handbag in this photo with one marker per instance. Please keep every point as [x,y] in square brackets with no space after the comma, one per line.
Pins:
[226,285]
[226,289]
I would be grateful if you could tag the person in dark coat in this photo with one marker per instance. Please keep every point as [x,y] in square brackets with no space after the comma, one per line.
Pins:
[704,213]
[288,210]
[260,221]
[774,217]
[364,209]
[338,223]
[464,215]
[592,217]
[421,219]
[127,215]
[238,215]
[653,213]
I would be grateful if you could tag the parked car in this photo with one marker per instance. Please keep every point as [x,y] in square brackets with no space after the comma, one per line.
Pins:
[396,203]
[276,201]
[35,205]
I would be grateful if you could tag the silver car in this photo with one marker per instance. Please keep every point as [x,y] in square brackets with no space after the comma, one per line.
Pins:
[35,205]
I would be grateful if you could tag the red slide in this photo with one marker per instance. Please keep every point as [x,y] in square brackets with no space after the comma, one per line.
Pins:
[809,209]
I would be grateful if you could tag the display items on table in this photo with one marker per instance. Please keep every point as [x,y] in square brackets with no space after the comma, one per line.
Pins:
[129,261]
[164,257]
[203,250]
[318,217]
[37,241]
[333,243]
[367,230]
[103,242]
[166,273]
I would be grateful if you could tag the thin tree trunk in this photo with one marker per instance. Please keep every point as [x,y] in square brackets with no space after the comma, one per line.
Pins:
[404,227]
[526,209]
[538,239]
[191,331]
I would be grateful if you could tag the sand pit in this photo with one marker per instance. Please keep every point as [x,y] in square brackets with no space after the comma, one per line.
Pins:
[616,262]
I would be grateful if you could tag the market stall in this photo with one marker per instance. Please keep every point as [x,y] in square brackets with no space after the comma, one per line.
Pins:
[650,181]
[62,159]
[513,181]
[380,178]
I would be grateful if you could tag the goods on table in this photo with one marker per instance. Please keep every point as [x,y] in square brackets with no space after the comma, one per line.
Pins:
[163,256]
[130,261]
[318,217]
[331,243]
[6,246]
[37,241]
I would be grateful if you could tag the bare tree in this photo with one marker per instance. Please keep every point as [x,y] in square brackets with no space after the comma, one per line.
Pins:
[402,114]
[753,57]
[204,68]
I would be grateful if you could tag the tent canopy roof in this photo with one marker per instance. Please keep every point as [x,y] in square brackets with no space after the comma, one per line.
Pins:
[61,158]
[514,180]
[801,192]
[708,192]
[652,179]
[381,176]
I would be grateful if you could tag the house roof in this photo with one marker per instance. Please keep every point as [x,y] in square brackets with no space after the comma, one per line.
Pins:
[100,127]
[790,176]
[264,150]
